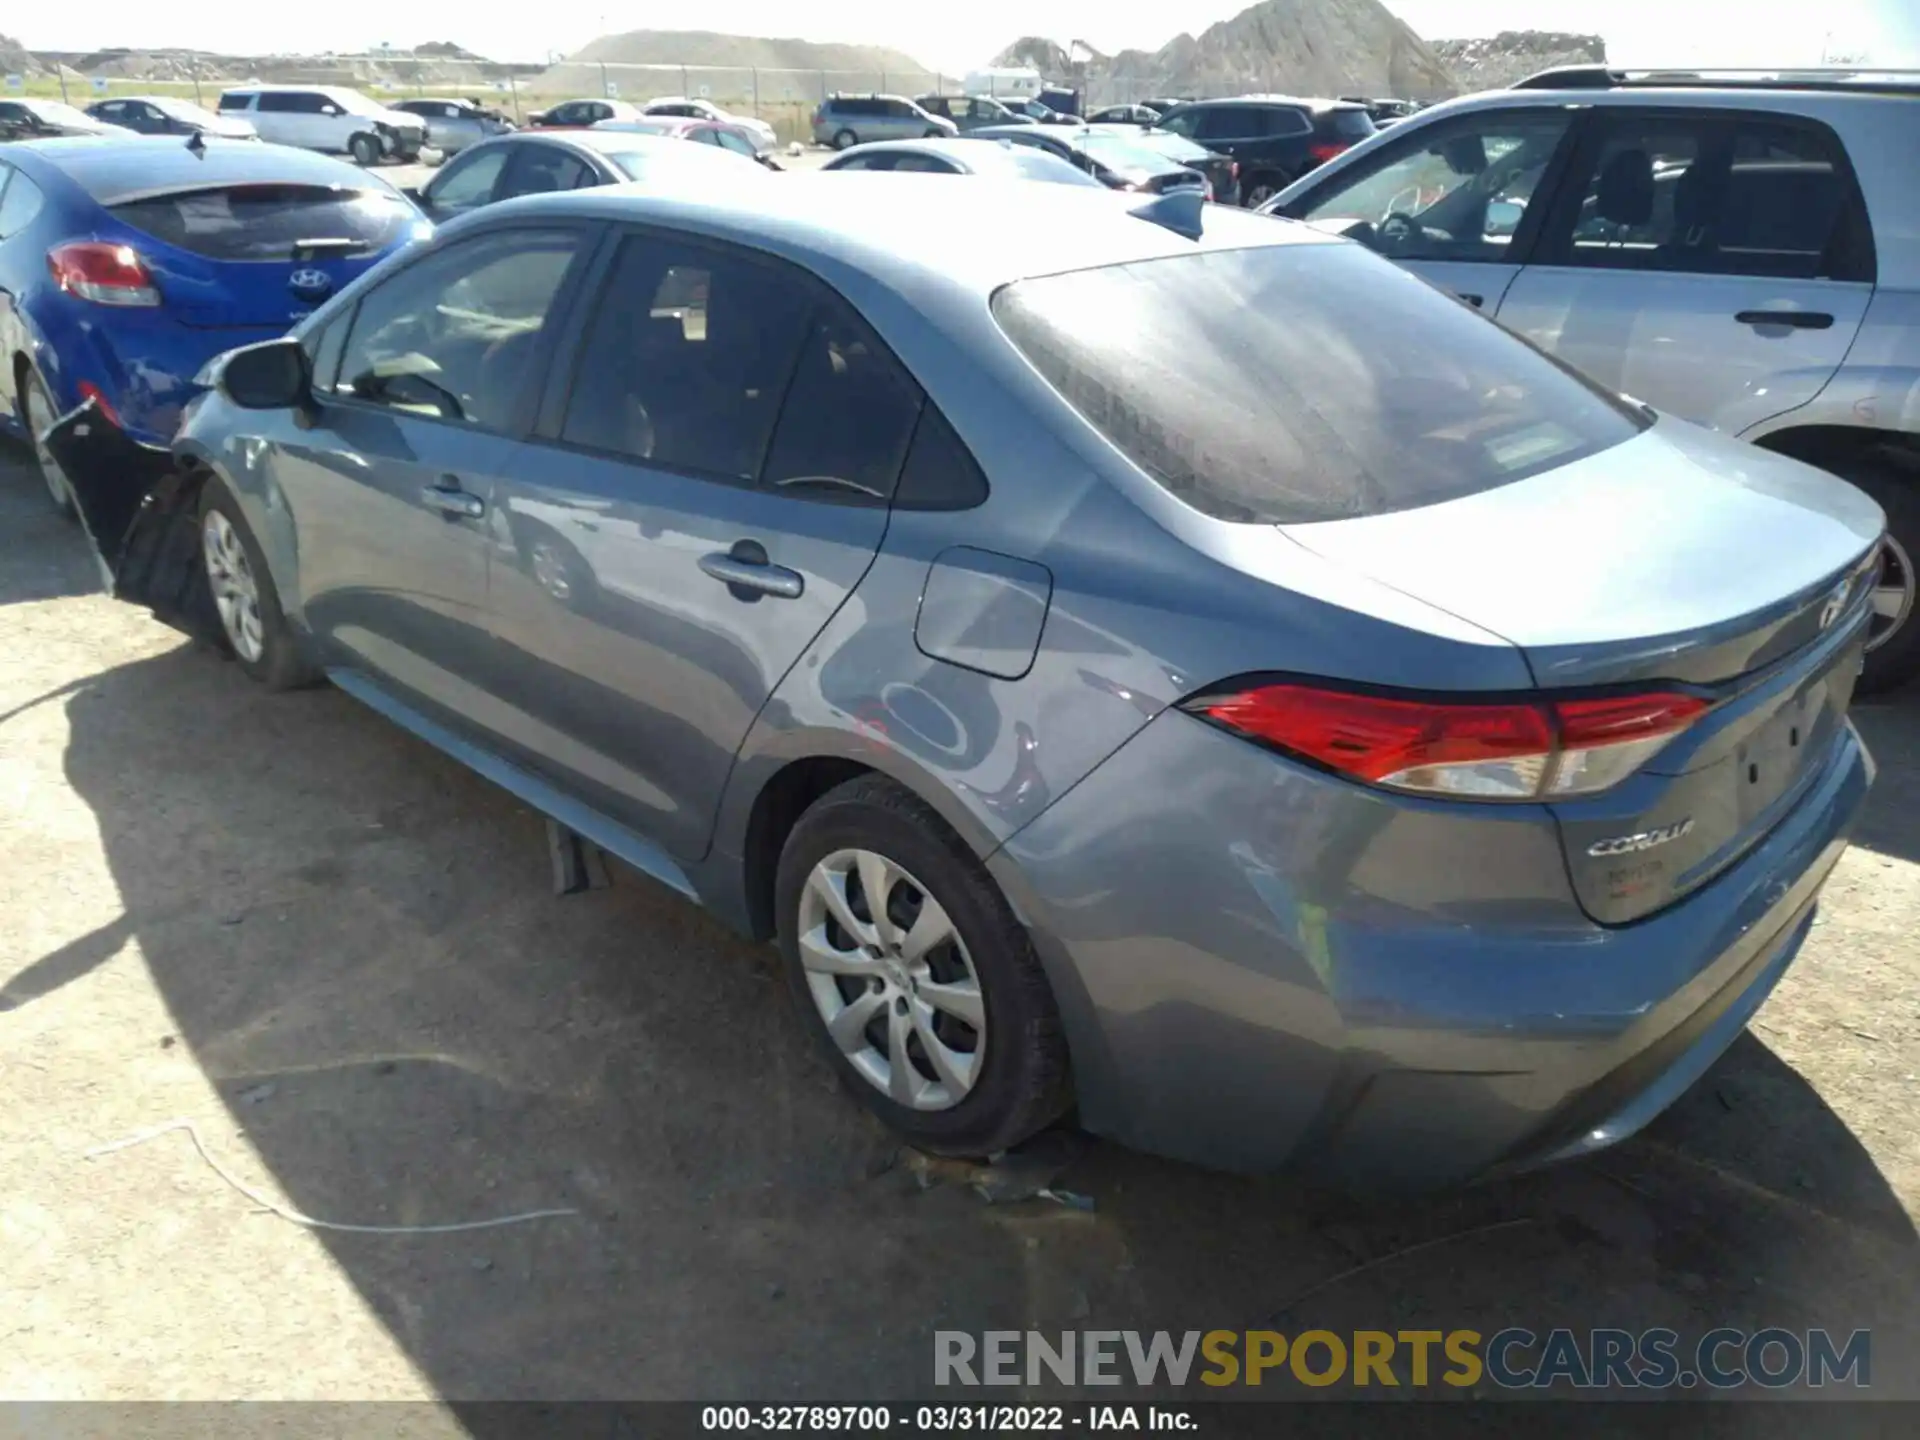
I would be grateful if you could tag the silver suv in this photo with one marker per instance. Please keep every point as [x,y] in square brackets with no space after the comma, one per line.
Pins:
[1739,248]
[844,120]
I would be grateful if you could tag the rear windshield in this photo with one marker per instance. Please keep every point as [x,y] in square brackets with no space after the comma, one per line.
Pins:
[1303,382]
[1350,124]
[268,222]
[1118,152]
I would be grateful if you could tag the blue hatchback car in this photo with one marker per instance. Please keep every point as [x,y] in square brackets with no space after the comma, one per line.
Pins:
[127,264]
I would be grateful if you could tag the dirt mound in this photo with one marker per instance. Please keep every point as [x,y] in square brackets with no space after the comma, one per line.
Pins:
[1295,47]
[704,47]
[1495,62]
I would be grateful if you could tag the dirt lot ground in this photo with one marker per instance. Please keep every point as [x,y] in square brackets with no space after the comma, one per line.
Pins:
[337,954]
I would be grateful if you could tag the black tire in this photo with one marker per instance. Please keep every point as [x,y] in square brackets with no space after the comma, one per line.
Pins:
[845,140]
[1895,660]
[37,407]
[282,664]
[365,150]
[1025,1082]
[1258,189]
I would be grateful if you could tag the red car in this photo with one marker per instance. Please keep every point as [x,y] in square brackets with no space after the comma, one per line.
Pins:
[736,138]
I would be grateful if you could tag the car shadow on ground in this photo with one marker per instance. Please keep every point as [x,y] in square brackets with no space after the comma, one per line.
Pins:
[47,557]
[358,942]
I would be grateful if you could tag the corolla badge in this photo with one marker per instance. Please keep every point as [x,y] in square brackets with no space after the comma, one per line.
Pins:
[1645,840]
[310,284]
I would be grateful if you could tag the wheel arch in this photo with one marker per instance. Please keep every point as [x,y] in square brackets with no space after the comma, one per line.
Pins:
[1828,446]
[771,788]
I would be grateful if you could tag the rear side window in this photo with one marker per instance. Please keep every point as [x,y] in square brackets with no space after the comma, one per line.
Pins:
[1349,124]
[1303,382]
[20,202]
[267,222]
[231,101]
[940,473]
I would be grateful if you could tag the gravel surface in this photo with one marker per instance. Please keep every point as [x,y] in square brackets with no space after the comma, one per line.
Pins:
[336,954]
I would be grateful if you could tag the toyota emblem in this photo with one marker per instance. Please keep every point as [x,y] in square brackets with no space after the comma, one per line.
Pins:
[310,284]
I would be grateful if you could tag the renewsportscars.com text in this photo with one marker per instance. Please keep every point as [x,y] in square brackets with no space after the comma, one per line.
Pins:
[1514,1358]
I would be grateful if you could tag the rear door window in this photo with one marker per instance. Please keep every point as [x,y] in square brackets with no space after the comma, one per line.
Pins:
[849,413]
[687,358]
[20,202]
[1229,122]
[1711,193]
[267,222]
[1303,382]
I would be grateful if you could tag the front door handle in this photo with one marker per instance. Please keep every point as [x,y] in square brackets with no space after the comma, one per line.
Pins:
[1476,301]
[1794,319]
[451,501]
[746,571]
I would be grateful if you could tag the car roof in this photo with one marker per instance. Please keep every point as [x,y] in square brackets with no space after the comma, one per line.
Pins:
[259,89]
[121,167]
[1298,102]
[914,231]
[953,147]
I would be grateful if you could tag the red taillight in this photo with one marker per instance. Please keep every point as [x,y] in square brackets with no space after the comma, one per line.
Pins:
[1516,750]
[1325,150]
[103,273]
[91,391]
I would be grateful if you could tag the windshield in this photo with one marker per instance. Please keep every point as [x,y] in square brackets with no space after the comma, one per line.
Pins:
[183,110]
[1174,147]
[1303,382]
[1031,164]
[638,164]
[354,103]
[58,114]
[1121,152]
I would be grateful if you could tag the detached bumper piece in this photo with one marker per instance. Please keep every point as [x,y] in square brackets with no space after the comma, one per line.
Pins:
[140,509]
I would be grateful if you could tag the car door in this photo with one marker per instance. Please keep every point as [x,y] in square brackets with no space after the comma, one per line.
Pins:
[1451,201]
[1710,263]
[713,483]
[391,489]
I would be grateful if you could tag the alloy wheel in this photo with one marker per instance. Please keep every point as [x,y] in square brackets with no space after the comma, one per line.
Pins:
[40,420]
[1893,594]
[892,980]
[236,593]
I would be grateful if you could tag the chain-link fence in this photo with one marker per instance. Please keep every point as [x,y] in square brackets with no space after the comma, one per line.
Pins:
[784,98]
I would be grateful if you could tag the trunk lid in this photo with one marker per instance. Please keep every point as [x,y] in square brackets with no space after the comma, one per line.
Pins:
[1679,559]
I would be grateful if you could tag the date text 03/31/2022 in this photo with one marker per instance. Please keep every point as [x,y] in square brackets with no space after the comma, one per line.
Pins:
[941,1419]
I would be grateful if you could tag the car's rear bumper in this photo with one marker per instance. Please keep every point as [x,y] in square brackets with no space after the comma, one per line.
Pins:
[1263,966]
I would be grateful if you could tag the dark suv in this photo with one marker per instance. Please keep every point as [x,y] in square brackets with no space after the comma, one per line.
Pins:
[1274,139]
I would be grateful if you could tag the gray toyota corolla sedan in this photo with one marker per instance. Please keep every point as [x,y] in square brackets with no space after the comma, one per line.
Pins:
[1132,655]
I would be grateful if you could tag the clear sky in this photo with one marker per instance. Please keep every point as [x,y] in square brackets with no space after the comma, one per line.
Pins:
[1731,32]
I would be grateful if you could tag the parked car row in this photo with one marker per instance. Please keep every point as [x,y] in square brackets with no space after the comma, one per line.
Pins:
[579,114]
[1127,652]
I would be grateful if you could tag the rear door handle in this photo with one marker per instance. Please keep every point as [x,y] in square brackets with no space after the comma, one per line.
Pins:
[746,571]
[451,501]
[1793,319]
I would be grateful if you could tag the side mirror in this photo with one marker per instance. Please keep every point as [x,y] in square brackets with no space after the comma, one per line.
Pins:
[329,109]
[272,375]
[412,192]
